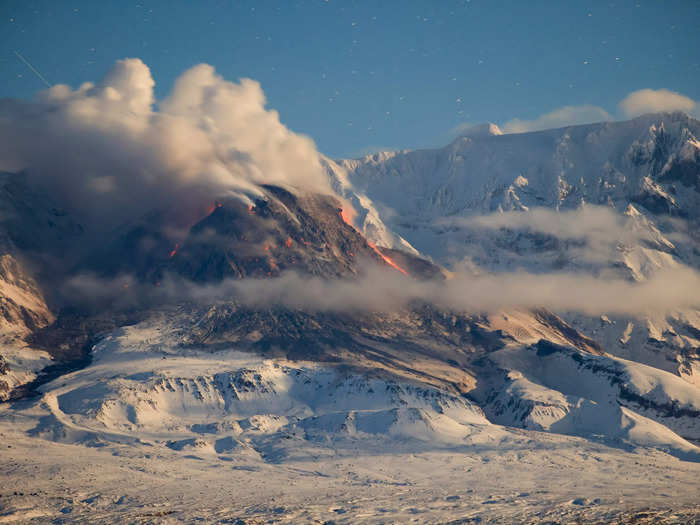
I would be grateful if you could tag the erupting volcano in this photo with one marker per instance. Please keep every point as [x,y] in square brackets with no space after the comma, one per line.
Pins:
[237,286]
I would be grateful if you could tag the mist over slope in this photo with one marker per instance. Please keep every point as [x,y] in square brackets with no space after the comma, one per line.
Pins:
[612,200]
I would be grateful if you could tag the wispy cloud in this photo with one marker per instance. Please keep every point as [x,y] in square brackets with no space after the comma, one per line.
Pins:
[655,100]
[599,229]
[565,116]
[635,104]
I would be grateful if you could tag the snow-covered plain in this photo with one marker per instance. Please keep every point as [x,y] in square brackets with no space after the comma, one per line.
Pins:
[524,476]
[166,434]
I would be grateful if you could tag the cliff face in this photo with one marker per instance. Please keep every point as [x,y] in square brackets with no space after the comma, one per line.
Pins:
[23,310]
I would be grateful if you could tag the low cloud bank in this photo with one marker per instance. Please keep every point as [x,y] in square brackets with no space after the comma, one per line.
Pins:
[600,228]
[383,290]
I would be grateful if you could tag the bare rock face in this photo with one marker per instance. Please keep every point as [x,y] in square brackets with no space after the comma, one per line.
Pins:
[22,305]
[22,311]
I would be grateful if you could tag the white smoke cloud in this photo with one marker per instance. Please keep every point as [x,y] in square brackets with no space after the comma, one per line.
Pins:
[565,116]
[108,154]
[654,101]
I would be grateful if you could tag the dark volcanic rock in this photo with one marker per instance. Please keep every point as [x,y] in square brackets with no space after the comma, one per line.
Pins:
[279,232]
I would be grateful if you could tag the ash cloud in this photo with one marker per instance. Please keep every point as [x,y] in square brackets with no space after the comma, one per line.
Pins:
[109,153]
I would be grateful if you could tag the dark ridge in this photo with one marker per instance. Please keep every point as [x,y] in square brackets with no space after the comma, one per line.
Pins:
[576,338]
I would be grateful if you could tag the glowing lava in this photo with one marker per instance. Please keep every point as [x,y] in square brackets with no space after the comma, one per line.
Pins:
[174,251]
[387,259]
[346,217]
[347,213]
[213,207]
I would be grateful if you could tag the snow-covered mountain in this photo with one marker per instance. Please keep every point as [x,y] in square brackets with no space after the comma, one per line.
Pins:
[649,163]
[648,160]
[174,350]
[645,172]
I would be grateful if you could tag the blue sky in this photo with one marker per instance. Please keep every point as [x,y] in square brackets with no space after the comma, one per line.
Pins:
[364,75]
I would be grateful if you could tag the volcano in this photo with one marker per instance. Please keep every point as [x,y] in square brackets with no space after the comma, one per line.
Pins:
[140,344]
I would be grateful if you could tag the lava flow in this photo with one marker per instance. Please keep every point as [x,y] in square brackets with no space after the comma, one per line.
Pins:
[387,259]
[174,251]
[348,215]
[347,218]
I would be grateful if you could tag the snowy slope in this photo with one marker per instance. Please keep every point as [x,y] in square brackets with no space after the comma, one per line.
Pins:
[549,387]
[144,386]
[139,387]
[613,162]
[646,171]
[546,433]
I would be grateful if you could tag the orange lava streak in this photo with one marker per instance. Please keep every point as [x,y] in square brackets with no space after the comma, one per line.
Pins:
[347,219]
[387,259]
[211,208]
[347,213]
[174,251]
